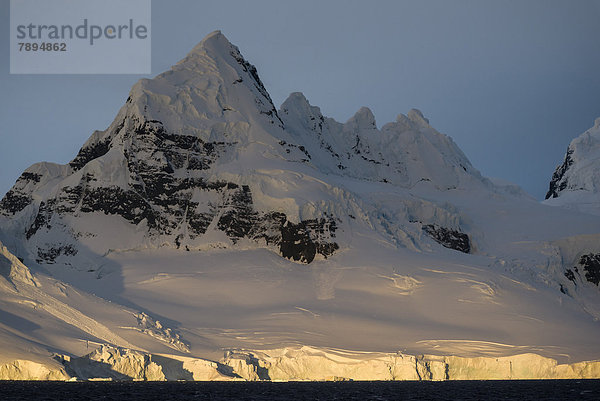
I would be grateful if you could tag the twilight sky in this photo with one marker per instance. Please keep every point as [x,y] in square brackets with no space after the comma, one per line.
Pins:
[512,82]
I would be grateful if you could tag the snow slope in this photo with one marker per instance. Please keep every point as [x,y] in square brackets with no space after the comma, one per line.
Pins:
[207,235]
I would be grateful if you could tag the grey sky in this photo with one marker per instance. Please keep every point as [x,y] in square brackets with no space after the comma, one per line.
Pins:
[511,81]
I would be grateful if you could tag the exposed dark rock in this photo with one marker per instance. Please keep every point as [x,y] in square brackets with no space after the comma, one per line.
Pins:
[49,255]
[289,146]
[299,242]
[570,275]
[268,228]
[89,153]
[558,183]
[168,152]
[198,222]
[239,216]
[42,219]
[303,241]
[449,238]
[68,198]
[14,201]
[27,176]
[114,200]
[370,160]
[327,248]
[296,243]
[303,150]
[591,266]
[156,194]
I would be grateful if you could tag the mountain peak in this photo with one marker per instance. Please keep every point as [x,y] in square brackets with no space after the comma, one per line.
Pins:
[579,174]
[416,116]
[296,100]
[217,34]
[213,82]
[363,119]
[214,42]
[296,110]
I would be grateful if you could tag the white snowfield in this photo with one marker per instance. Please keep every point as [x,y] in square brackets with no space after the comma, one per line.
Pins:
[206,235]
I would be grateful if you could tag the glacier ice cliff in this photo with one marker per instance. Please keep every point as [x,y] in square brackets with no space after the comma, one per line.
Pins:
[299,364]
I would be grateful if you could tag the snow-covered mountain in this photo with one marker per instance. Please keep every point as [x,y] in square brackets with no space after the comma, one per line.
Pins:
[576,182]
[188,161]
[203,220]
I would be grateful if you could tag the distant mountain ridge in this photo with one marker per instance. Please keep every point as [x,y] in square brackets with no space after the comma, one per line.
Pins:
[576,182]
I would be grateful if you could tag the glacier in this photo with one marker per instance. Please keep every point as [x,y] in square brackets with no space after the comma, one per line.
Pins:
[208,235]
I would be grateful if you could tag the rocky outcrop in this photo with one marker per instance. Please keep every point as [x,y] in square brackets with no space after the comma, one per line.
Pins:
[163,193]
[580,170]
[161,196]
[449,238]
[588,268]
[301,241]
[559,181]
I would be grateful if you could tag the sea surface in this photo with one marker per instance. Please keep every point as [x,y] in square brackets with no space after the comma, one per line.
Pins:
[452,390]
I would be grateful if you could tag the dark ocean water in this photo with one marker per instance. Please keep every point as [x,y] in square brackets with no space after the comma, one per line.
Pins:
[458,390]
